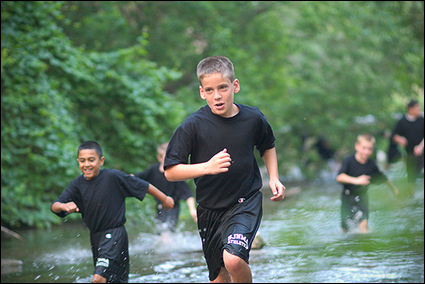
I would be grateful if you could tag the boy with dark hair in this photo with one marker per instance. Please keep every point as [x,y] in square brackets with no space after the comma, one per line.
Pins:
[356,173]
[219,139]
[99,195]
[409,133]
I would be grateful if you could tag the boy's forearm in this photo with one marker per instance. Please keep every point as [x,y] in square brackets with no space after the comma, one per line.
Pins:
[68,207]
[270,160]
[155,192]
[56,207]
[182,172]
[344,178]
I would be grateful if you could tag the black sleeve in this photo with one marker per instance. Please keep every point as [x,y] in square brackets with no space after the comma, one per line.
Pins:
[399,128]
[143,175]
[344,166]
[69,194]
[179,148]
[131,186]
[266,136]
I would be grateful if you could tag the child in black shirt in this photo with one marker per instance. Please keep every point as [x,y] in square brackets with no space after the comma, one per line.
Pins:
[99,195]
[356,173]
[220,139]
[177,190]
[409,133]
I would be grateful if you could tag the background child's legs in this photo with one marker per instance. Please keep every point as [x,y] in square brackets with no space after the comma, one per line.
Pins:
[363,226]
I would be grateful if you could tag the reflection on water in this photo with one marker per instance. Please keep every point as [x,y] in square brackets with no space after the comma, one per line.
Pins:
[304,243]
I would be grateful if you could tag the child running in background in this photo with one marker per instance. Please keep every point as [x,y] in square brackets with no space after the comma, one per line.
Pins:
[409,133]
[215,146]
[177,190]
[99,195]
[356,173]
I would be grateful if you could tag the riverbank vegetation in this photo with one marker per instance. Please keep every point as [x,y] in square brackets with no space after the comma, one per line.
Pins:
[123,73]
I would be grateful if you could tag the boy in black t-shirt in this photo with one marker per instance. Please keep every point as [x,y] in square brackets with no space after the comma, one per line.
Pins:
[177,190]
[356,173]
[99,195]
[219,139]
[409,133]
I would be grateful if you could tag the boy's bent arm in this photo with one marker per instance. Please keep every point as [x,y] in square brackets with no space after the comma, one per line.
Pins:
[278,189]
[182,172]
[69,207]
[219,163]
[360,180]
[167,201]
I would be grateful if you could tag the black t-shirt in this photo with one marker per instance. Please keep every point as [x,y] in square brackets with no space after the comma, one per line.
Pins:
[204,134]
[412,130]
[101,200]
[178,190]
[352,167]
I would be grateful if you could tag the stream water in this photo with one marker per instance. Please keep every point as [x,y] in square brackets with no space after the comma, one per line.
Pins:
[304,243]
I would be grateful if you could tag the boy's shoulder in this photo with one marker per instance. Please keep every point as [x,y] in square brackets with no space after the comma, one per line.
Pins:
[205,111]
[203,114]
[251,111]
[350,158]
[113,172]
[108,173]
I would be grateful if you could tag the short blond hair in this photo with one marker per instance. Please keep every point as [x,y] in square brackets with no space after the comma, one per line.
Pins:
[366,137]
[161,149]
[215,64]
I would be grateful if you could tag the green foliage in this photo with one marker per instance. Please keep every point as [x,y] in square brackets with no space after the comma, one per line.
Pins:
[54,96]
[123,73]
[37,127]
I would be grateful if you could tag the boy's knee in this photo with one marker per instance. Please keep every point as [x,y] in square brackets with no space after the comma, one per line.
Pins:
[233,263]
[98,279]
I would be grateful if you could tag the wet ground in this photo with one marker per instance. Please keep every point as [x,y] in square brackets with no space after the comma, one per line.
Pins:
[303,239]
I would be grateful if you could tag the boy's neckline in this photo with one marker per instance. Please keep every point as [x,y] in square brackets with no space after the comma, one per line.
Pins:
[239,110]
[410,117]
[358,160]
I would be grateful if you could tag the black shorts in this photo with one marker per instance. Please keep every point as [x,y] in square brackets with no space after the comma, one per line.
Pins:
[167,219]
[414,166]
[354,208]
[232,229]
[110,254]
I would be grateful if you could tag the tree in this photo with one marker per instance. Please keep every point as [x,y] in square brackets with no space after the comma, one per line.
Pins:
[55,95]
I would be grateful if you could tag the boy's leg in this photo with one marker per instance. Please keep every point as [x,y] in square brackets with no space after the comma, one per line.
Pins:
[110,252]
[232,231]
[167,218]
[223,277]
[363,226]
[236,270]
[346,213]
[237,267]
[98,279]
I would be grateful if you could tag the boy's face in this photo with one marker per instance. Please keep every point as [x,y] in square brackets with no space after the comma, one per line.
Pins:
[219,94]
[161,157]
[415,110]
[90,163]
[364,149]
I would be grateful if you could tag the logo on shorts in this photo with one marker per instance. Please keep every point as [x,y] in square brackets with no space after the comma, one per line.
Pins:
[108,236]
[240,200]
[238,239]
[102,262]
